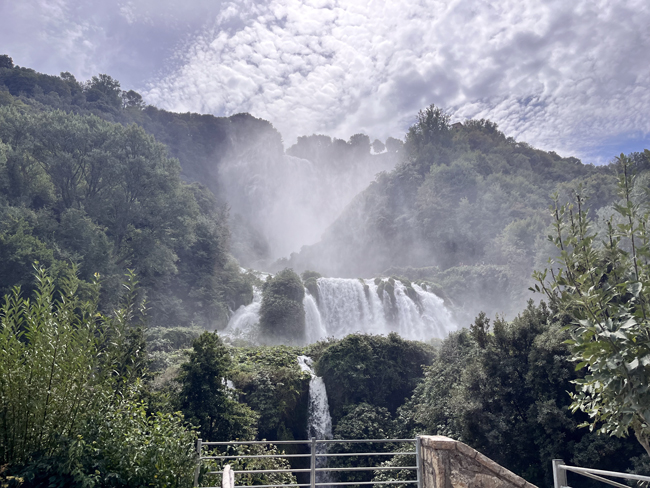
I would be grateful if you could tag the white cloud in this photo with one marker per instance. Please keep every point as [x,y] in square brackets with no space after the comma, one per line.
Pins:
[559,75]
[568,76]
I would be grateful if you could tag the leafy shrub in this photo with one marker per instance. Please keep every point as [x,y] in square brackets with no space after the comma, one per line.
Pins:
[282,314]
[274,386]
[380,371]
[205,398]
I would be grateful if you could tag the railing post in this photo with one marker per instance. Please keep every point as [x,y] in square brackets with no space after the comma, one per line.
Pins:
[559,474]
[313,462]
[418,459]
[198,462]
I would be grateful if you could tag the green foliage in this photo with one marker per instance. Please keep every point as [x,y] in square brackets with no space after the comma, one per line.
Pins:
[503,392]
[204,397]
[282,314]
[106,197]
[50,351]
[362,421]
[6,61]
[273,386]
[134,448]
[397,461]
[310,280]
[248,464]
[380,371]
[69,381]
[121,446]
[603,288]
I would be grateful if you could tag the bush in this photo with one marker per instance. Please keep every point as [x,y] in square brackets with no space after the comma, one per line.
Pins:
[381,371]
[282,314]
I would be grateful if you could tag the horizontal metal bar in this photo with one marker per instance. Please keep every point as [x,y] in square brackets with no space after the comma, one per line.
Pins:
[362,483]
[258,456]
[366,468]
[319,470]
[325,484]
[576,469]
[339,454]
[266,471]
[330,441]
[245,443]
[317,441]
[604,480]
[273,486]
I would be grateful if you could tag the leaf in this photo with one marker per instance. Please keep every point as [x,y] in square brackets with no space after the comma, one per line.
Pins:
[581,365]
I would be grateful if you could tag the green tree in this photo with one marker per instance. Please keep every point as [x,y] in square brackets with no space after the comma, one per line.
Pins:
[50,370]
[205,398]
[503,392]
[69,382]
[6,61]
[380,371]
[104,91]
[282,314]
[603,287]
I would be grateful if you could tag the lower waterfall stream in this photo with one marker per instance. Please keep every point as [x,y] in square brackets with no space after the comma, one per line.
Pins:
[319,423]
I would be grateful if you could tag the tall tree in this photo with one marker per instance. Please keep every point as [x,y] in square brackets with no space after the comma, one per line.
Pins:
[604,288]
[205,398]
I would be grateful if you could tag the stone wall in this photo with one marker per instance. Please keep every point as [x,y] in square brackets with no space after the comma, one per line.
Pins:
[447,463]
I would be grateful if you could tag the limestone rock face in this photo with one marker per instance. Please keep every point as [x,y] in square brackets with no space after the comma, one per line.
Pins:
[447,463]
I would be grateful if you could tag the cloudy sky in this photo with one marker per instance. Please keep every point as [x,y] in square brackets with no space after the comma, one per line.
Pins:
[569,76]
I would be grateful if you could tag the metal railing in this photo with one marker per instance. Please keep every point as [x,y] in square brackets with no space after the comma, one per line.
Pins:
[560,471]
[314,455]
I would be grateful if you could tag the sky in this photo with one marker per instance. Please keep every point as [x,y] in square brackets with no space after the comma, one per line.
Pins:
[568,76]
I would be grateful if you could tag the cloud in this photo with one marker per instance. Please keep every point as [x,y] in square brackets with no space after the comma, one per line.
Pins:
[559,75]
[132,40]
[573,77]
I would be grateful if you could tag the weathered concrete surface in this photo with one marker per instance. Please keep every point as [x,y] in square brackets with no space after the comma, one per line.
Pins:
[447,463]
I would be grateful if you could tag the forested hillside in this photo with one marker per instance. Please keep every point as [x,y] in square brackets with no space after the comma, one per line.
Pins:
[84,181]
[466,210]
[77,190]
[278,201]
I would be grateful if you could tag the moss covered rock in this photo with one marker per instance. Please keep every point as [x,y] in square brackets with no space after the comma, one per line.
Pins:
[282,314]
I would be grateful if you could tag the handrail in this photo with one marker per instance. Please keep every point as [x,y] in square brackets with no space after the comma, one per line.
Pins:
[313,470]
[560,479]
[317,441]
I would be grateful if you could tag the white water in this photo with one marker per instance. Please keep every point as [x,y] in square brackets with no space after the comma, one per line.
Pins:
[344,306]
[313,322]
[244,323]
[319,424]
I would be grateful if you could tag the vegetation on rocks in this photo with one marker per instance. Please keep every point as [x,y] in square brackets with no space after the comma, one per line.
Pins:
[282,315]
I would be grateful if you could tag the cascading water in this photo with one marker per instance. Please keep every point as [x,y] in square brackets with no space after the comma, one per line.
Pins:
[313,322]
[244,322]
[378,307]
[343,306]
[319,424]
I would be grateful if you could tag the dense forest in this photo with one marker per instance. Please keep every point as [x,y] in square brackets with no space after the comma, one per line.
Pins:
[123,228]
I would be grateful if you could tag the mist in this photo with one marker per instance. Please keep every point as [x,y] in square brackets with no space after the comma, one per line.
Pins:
[283,200]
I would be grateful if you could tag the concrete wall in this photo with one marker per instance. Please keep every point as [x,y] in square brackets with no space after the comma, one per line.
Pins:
[447,463]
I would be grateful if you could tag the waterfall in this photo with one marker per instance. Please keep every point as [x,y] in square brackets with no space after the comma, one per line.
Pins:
[244,323]
[319,424]
[344,306]
[349,305]
[313,322]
